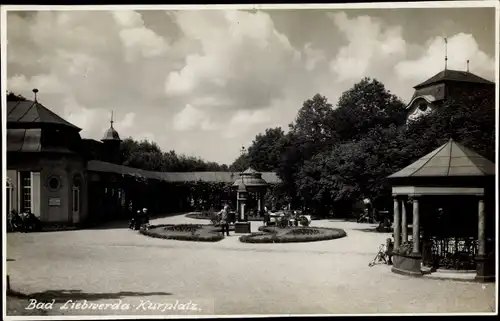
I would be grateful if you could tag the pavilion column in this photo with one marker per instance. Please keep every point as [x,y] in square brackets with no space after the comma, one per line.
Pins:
[485,264]
[397,225]
[404,223]
[237,204]
[481,235]
[416,226]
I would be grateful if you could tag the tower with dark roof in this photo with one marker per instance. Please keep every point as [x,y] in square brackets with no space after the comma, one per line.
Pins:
[111,144]
[444,86]
[447,85]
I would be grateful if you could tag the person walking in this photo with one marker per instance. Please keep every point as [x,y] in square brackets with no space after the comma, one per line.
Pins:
[224,223]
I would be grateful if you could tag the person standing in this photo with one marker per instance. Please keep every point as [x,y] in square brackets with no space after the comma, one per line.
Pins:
[145,217]
[224,223]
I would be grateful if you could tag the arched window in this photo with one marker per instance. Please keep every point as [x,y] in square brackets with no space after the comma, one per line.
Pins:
[422,106]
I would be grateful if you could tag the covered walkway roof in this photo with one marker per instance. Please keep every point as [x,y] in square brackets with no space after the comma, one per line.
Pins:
[222,177]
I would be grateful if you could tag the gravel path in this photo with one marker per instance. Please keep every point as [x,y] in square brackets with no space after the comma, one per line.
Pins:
[117,265]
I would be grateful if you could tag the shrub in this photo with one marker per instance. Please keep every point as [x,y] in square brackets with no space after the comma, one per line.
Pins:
[158,231]
[184,227]
[406,248]
[315,234]
[304,231]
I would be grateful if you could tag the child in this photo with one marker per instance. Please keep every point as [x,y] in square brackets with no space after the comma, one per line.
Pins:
[389,248]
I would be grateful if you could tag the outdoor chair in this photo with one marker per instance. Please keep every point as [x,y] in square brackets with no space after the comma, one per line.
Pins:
[384,254]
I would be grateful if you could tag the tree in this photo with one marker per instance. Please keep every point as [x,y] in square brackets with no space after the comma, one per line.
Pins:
[310,133]
[365,105]
[265,152]
[311,121]
[148,156]
[469,120]
[14,97]
[240,164]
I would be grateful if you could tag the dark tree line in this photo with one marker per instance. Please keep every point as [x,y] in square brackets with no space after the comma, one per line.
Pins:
[148,156]
[332,157]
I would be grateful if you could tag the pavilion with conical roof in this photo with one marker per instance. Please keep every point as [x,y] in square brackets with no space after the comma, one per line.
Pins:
[250,186]
[451,190]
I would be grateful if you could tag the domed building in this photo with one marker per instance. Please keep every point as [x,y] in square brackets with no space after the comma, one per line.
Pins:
[64,179]
[45,167]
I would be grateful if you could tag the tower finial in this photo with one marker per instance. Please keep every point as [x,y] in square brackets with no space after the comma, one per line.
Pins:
[467,65]
[445,53]
[111,119]
[35,91]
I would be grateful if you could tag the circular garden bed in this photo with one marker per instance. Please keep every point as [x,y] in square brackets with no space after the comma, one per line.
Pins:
[186,232]
[273,234]
[208,216]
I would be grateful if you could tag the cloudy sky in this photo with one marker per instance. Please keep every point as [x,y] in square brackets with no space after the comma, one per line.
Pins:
[204,83]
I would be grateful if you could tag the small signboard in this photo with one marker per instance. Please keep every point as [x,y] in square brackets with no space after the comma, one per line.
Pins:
[54,202]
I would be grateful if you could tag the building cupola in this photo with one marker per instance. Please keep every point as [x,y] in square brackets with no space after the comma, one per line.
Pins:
[112,141]
[111,133]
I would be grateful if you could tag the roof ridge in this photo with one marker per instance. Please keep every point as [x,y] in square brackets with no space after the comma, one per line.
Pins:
[64,121]
[451,153]
[437,150]
[470,154]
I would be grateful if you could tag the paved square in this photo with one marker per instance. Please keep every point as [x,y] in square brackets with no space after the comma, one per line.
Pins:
[228,277]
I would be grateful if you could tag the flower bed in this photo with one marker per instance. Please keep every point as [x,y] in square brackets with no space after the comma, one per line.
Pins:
[269,234]
[185,232]
[208,216]
[184,227]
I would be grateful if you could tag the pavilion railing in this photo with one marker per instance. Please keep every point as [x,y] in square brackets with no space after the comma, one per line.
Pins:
[457,253]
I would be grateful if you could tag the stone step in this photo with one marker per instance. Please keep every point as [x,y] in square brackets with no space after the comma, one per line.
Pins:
[453,276]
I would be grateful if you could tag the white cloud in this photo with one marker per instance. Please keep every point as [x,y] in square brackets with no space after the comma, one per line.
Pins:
[128,18]
[85,118]
[136,38]
[190,118]
[234,73]
[244,120]
[461,47]
[242,57]
[313,57]
[369,43]
[127,121]
[50,84]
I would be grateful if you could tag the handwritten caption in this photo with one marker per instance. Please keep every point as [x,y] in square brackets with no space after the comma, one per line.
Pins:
[143,305]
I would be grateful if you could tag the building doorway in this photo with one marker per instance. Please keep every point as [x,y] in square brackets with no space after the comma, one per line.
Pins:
[76,200]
